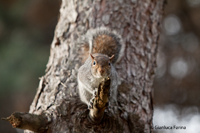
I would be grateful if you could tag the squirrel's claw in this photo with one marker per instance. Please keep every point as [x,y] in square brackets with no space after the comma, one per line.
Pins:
[90,105]
[95,92]
[91,102]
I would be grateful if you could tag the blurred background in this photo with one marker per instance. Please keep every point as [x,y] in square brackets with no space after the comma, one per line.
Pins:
[177,81]
[26,32]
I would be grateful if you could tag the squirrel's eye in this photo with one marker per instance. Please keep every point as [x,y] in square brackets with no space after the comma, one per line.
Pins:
[94,63]
[109,63]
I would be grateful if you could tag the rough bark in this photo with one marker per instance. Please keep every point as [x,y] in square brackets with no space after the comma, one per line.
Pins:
[57,95]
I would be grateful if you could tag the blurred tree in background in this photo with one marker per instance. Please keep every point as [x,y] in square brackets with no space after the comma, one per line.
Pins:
[177,82]
[26,32]
[178,70]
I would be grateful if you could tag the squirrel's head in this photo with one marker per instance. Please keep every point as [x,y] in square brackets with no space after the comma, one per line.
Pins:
[101,65]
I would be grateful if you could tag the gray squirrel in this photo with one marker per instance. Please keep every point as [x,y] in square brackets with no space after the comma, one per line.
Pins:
[104,48]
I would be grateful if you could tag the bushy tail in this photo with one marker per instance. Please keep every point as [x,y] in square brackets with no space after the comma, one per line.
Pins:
[103,40]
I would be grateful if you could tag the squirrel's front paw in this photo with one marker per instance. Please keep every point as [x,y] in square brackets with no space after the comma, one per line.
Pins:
[91,102]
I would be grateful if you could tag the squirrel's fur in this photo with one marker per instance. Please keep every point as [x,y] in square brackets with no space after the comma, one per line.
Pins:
[101,44]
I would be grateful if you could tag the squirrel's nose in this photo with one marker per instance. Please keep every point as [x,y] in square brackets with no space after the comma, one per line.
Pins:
[101,71]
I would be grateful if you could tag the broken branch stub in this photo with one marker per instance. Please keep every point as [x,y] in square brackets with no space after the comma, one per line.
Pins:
[27,121]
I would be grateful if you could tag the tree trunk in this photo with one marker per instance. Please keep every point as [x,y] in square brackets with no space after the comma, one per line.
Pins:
[57,95]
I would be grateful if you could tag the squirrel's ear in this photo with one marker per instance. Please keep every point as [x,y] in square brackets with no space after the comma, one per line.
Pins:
[92,56]
[111,57]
